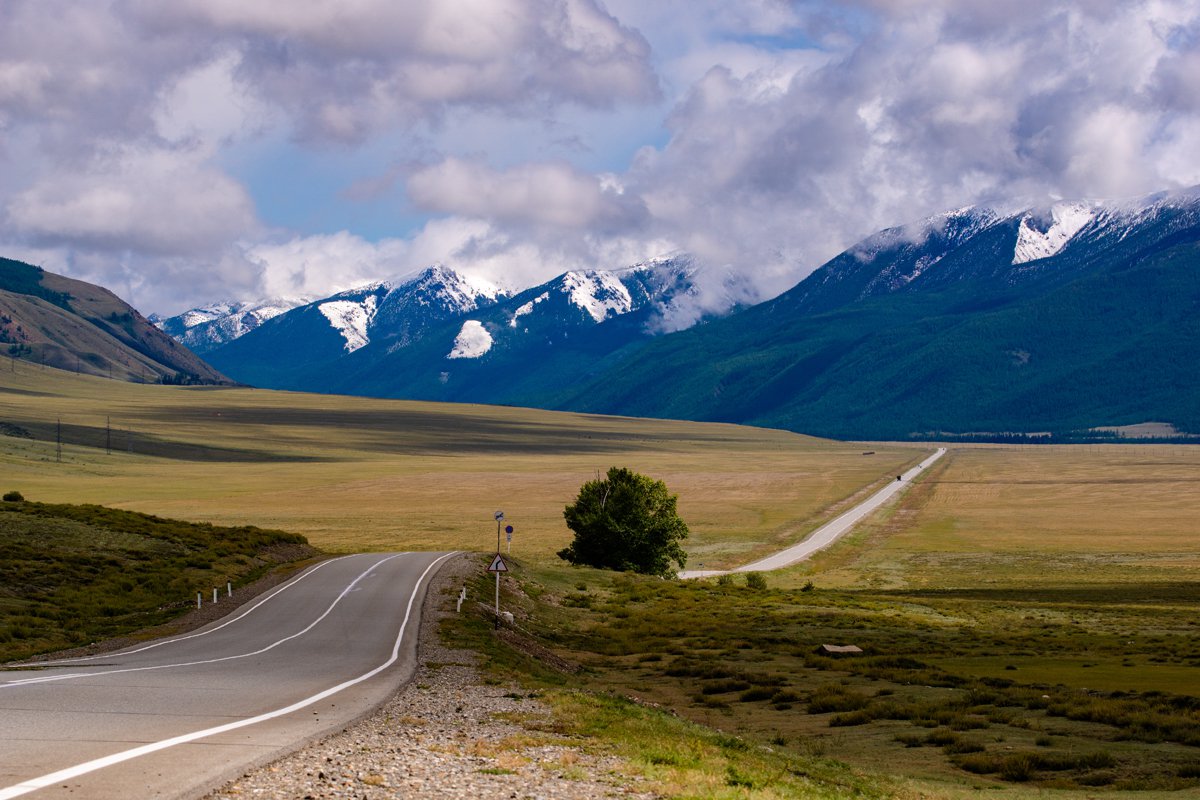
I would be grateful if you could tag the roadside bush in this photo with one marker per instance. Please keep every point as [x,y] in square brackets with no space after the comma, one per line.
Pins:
[756,581]
[13,497]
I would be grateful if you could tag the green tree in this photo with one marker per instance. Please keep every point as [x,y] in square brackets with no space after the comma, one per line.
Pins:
[626,522]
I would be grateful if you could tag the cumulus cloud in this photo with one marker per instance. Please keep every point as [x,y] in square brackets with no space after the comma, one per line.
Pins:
[543,194]
[324,264]
[935,106]
[345,70]
[158,203]
[139,134]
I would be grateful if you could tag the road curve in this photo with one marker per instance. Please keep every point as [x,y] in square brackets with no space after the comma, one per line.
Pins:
[174,718]
[830,532]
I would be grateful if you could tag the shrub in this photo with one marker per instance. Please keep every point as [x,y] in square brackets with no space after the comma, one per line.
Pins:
[725,686]
[860,717]
[835,698]
[756,581]
[725,580]
[963,746]
[13,497]
[1018,767]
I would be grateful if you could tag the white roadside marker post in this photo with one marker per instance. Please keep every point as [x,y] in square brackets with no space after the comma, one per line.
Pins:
[229,588]
[214,594]
[197,599]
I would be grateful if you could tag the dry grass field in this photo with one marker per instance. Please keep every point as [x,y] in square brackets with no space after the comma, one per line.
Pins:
[360,474]
[1029,615]
[1033,517]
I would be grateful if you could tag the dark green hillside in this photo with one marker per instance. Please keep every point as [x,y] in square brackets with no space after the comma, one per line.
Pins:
[1115,345]
[298,351]
[72,575]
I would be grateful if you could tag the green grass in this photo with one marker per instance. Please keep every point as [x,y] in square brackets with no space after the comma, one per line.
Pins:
[1068,670]
[72,575]
[743,662]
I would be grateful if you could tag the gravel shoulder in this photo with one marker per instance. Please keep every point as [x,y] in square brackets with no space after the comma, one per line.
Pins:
[448,733]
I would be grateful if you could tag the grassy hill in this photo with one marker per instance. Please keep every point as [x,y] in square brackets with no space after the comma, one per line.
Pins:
[52,320]
[72,575]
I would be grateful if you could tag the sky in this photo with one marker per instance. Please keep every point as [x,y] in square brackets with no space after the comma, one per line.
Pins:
[201,150]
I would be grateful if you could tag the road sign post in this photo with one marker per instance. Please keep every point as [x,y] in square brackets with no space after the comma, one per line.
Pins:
[497,566]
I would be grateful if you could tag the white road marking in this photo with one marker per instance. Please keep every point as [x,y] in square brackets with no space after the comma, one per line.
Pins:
[261,601]
[34,784]
[272,646]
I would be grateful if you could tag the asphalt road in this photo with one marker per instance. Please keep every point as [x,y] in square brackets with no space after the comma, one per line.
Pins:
[830,532]
[174,718]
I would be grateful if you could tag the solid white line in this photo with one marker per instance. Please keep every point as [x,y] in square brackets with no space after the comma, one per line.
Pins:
[272,646]
[116,758]
[278,590]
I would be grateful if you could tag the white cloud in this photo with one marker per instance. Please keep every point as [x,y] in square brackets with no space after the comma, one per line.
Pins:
[344,71]
[322,265]
[160,202]
[549,194]
[134,134]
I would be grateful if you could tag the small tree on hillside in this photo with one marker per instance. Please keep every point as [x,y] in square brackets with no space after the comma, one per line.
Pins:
[625,521]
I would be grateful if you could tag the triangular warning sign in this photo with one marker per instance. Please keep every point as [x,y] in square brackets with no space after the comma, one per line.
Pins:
[497,565]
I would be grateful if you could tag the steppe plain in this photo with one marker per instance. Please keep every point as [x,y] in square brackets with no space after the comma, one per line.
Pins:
[1029,614]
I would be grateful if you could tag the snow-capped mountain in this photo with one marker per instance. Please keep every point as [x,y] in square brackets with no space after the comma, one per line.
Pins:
[578,300]
[1064,318]
[438,335]
[304,344]
[978,244]
[208,327]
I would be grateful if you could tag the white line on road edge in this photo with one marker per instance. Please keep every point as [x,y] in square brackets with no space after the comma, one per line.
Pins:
[828,533]
[272,646]
[116,758]
[278,590]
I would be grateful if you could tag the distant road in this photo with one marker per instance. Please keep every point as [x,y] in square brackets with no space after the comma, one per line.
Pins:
[830,532]
[176,717]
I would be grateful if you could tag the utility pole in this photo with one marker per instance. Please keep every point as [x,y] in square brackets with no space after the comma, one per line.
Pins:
[58,441]
[108,436]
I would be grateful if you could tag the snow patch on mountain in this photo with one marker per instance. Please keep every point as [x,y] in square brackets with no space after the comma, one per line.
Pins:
[1036,240]
[455,291]
[473,341]
[351,319]
[208,327]
[527,308]
[600,294]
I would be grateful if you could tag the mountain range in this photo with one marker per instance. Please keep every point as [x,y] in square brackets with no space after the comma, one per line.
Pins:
[442,336]
[974,323]
[1055,320]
